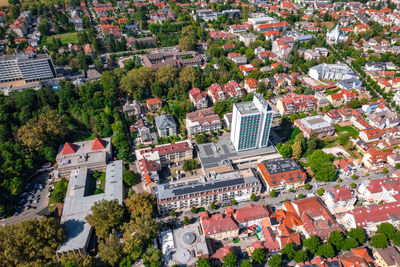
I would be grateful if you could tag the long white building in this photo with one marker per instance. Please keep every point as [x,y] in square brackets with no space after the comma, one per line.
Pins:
[251,124]
[331,72]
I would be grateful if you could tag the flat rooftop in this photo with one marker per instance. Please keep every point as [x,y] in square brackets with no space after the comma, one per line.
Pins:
[276,166]
[315,122]
[213,155]
[78,203]
[234,178]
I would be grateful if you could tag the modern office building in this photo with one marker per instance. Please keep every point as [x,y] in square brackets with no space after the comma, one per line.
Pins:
[221,188]
[251,124]
[27,67]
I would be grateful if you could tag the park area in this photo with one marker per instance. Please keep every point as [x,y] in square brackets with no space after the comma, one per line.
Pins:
[346,129]
[65,38]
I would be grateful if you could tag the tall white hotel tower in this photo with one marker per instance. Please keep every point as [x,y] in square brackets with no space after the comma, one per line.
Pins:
[251,124]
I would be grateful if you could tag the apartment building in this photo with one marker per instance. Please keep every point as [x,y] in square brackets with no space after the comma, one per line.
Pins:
[219,188]
[166,125]
[167,154]
[219,226]
[198,98]
[293,103]
[315,124]
[251,124]
[204,120]
[339,200]
[331,72]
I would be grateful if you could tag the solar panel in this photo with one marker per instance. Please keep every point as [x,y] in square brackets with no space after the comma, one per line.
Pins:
[207,187]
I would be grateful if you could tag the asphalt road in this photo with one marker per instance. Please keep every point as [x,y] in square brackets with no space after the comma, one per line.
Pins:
[30,209]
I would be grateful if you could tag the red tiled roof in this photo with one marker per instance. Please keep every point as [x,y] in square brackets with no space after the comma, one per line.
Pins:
[375,213]
[153,101]
[273,25]
[250,212]
[168,149]
[98,144]
[341,193]
[196,94]
[69,148]
[221,252]
[217,223]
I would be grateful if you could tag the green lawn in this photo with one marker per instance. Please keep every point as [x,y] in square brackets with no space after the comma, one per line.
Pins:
[66,38]
[346,129]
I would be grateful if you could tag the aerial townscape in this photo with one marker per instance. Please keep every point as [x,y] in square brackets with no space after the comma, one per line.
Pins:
[182,133]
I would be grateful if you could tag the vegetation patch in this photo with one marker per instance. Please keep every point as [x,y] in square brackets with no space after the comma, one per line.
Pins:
[65,38]
[346,129]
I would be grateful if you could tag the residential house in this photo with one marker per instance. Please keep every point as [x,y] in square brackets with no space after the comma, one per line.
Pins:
[384,119]
[198,98]
[342,97]
[369,217]
[148,171]
[143,131]
[133,108]
[293,103]
[166,125]
[339,200]
[387,257]
[315,217]
[357,257]
[278,174]
[247,69]
[374,158]
[204,120]
[250,85]
[153,104]
[218,226]
[167,154]
[380,190]
[346,166]
[249,215]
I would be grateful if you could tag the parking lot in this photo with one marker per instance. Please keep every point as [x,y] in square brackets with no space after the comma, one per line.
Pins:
[34,200]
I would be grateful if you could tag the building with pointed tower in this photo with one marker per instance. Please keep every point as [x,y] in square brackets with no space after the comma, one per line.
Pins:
[93,155]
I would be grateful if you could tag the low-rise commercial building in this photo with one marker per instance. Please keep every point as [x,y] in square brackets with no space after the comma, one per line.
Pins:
[278,174]
[315,124]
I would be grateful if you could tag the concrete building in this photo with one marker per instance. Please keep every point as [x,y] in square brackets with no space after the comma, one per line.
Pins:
[204,120]
[331,72]
[80,198]
[93,155]
[221,188]
[315,124]
[166,125]
[251,124]
[278,174]
[184,245]
[167,154]
[26,67]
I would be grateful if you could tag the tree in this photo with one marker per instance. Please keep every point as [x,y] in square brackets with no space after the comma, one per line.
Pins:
[105,216]
[187,43]
[385,170]
[312,243]
[230,260]
[152,257]
[43,237]
[286,151]
[47,129]
[307,186]
[336,239]
[301,256]
[273,193]
[246,263]
[326,251]
[193,210]
[60,189]
[275,260]
[320,191]
[379,241]
[387,229]
[129,177]
[213,206]
[110,250]
[353,185]
[344,139]
[203,262]
[253,197]
[299,145]
[322,166]
[189,164]
[358,234]
[258,256]
[166,74]
[172,213]
[349,243]
[137,82]
[185,221]
[233,202]
[354,177]
[141,205]
[396,239]
[397,166]
[289,251]
[187,77]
